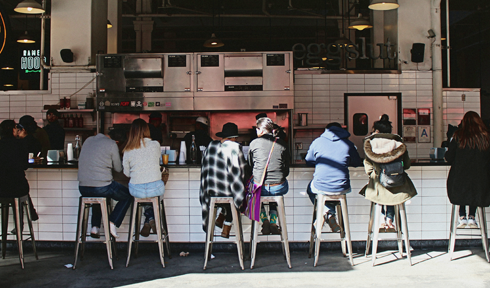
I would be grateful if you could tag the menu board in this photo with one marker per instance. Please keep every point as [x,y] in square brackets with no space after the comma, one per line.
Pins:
[209,60]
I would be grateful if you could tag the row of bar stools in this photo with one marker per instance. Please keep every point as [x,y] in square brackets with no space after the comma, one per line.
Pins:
[83,211]
[210,229]
[281,211]
[400,226]
[316,228]
[160,223]
[454,225]
[17,204]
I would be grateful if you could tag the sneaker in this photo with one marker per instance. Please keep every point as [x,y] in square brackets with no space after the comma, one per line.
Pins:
[332,222]
[266,227]
[145,231]
[462,222]
[153,226]
[275,230]
[472,223]
[113,230]
[220,220]
[225,233]
[95,232]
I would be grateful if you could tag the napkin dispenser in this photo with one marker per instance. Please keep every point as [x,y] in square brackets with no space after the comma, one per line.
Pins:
[53,155]
[437,153]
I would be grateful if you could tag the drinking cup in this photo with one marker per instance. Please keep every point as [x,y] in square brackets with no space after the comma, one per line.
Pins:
[165,159]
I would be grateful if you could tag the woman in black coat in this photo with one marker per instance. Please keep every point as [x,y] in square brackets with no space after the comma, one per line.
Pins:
[468,182]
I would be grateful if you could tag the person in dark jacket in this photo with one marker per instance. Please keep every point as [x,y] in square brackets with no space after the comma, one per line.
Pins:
[468,182]
[55,132]
[275,182]
[332,153]
[202,138]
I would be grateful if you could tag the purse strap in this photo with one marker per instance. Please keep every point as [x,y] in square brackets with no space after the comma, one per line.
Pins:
[267,164]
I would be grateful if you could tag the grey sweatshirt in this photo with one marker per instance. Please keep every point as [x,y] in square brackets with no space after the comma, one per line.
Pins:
[142,165]
[98,157]
[278,168]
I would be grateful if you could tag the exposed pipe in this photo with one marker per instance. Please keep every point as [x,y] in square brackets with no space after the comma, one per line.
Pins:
[437,73]
[230,16]
[448,47]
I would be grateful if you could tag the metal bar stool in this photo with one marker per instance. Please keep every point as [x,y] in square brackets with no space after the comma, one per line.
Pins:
[160,223]
[83,211]
[281,211]
[17,204]
[343,216]
[237,222]
[400,221]
[453,234]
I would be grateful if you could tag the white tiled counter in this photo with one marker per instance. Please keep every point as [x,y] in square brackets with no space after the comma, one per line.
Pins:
[55,196]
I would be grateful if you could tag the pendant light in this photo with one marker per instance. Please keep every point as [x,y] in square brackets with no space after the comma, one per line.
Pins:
[213,42]
[26,39]
[384,4]
[29,7]
[360,23]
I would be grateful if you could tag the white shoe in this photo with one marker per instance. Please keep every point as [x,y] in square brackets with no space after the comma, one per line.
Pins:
[462,222]
[472,223]
[95,232]
[113,230]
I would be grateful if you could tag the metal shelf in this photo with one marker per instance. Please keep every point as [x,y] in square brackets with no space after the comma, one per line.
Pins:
[72,110]
[310,127]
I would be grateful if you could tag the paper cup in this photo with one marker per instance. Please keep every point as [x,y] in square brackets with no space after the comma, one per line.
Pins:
[165,159]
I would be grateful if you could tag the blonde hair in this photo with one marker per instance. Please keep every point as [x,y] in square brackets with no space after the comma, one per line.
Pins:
[139,130]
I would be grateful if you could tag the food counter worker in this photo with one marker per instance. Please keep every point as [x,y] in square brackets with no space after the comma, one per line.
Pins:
[55,132]
[202,138]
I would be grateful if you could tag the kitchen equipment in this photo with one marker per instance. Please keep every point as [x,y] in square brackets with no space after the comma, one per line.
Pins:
[53,155]
[437,153]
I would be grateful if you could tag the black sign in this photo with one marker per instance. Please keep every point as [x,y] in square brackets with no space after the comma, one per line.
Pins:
[112,61]
[209,60]
[177,60]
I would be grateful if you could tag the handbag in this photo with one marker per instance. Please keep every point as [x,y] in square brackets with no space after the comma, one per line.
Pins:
[253,192]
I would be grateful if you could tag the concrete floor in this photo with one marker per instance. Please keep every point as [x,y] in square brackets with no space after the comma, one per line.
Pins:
[431,268]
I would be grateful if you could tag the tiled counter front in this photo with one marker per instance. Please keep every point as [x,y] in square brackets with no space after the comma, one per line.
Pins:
[55,195]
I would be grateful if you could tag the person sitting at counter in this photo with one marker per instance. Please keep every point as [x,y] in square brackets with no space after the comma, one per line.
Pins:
[56,133]
[37,132]
[202,138]
[332,153]
[99,156]
[223,174]
[25,130]
[141,163]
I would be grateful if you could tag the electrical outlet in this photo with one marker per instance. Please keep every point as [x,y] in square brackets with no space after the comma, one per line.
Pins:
[298,145]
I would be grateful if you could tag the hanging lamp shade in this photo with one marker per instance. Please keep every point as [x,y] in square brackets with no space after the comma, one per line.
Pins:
[7,67]
[384,4]
[8,85]
[360,23]
[342,41]
[29,7]
[213,42]
[109,24]
[26,39]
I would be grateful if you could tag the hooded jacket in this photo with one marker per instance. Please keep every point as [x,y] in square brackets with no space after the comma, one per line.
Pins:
[331,154]
[384,148]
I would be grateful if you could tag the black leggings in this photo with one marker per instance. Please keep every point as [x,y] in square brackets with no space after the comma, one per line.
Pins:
[471,212]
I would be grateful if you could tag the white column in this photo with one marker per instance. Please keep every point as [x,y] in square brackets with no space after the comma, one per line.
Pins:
[437,73]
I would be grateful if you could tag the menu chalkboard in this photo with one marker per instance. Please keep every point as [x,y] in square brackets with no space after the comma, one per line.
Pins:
[209,60]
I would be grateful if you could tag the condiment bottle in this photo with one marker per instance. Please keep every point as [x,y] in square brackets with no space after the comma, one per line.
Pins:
[70,121]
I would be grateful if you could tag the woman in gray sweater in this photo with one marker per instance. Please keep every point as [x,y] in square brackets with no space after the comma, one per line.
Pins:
[141,163]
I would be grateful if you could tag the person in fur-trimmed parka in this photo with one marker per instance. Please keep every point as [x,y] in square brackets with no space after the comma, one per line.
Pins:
[384,148]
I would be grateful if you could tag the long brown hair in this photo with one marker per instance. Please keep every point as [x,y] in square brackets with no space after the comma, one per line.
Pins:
[472,132]
[139,130]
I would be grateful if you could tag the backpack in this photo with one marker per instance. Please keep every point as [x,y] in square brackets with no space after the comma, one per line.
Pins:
[392,174]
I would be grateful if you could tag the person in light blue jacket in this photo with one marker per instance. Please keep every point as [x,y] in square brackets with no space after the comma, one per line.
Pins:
[331,154]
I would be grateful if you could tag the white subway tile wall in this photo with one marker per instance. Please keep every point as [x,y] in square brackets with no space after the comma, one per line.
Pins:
[55,196]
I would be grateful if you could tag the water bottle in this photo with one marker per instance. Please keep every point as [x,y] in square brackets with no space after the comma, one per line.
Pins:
[193,150]
[78,147]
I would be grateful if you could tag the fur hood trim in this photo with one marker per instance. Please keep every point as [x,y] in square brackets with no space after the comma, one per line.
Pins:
[385,157]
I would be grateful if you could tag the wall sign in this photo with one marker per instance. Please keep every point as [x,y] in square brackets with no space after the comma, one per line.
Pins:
[424,134]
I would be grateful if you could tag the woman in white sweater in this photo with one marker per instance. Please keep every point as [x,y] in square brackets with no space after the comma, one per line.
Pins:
[141,163]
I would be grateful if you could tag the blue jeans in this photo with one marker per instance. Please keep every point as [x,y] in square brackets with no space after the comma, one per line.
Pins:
[390,211]
[329,205]
[277,190]
[146,190]
[114,191]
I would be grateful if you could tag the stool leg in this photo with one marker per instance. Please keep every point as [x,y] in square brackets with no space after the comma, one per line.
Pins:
[79,230]
[156,209]
[239,234]
[210,232]
[338,208]
[163,218]
[405,231]
[312,234]
[105,219]
[319,225]
[398,231]
[376,218]
[19,232]
[137,231]
[452,234]
[113,239]
[31,230]
[345,221]
[84,228]
[5,223]
[284,230]
[483,229]
[370,228]
[253,243]
[131,231]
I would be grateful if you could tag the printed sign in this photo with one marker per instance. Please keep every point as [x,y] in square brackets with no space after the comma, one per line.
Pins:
[424,134]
